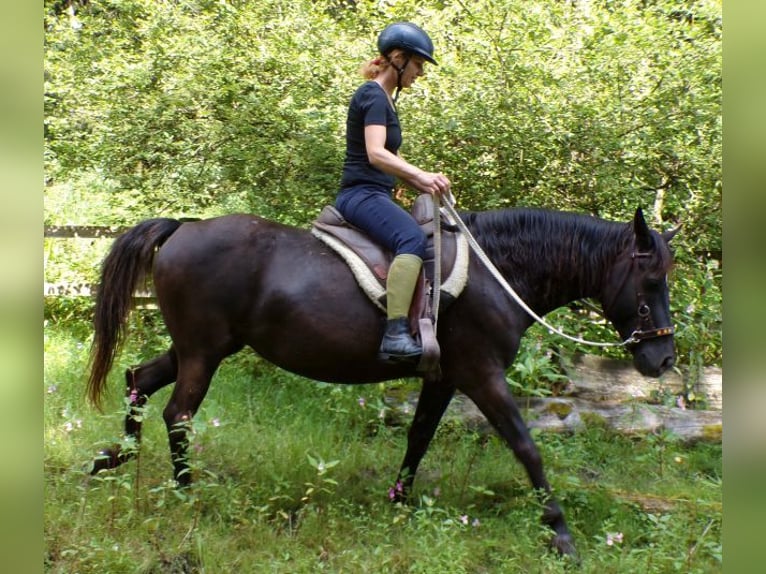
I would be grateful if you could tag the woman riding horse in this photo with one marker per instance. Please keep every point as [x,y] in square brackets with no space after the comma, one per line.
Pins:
[372,164]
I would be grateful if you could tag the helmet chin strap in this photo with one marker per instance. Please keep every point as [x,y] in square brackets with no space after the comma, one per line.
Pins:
[399,72]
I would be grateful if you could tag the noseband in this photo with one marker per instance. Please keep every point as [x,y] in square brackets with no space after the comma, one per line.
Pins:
[646,328]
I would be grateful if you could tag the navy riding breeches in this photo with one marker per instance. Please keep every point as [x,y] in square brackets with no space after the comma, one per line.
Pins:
[385,221]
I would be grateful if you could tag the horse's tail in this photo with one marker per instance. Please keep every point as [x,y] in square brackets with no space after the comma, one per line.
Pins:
[128,262]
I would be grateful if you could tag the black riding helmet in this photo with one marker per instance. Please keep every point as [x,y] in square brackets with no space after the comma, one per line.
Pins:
[410,38]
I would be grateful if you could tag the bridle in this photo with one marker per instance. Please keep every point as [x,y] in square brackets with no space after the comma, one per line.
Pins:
[646,328]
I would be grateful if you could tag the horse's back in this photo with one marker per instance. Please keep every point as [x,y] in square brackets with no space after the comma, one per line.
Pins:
[245,280]
[216,265]
[226,246]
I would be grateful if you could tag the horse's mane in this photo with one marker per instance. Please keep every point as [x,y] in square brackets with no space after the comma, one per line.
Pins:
[565,242]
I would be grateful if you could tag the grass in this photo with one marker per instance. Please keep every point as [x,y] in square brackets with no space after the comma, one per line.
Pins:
[293,477]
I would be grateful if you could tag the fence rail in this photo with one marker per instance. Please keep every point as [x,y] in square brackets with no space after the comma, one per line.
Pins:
[83,231]
[85,290]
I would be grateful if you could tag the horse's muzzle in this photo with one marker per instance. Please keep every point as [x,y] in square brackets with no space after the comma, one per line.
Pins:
[653,366]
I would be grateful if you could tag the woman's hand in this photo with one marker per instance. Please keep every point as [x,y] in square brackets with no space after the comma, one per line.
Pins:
[433,183]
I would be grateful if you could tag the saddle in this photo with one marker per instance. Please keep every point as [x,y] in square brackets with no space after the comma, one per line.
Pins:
[370,262]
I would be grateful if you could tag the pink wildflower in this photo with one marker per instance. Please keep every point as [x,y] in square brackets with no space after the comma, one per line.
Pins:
[394,491]
[613,537]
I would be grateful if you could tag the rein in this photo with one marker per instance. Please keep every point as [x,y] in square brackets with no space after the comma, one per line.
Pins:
[644,313]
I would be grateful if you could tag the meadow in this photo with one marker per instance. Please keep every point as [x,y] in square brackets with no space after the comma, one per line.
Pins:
[293,476]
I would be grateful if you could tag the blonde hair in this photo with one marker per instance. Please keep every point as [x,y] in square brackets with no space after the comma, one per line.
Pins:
[370,69]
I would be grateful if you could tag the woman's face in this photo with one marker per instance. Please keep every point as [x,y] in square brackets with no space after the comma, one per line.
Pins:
[413,71]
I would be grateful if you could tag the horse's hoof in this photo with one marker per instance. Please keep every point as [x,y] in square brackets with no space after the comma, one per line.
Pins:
[564,546]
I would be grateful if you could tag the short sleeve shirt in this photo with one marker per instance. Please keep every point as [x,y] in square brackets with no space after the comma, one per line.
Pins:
[369,106]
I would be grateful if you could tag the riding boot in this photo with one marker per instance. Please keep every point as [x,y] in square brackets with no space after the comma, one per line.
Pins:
[398,343]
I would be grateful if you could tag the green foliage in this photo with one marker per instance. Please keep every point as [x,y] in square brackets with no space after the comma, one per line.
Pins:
[535,372]
[194,108]
[204,107]
[698,307]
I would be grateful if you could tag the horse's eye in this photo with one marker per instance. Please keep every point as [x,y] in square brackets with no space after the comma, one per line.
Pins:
[643,310]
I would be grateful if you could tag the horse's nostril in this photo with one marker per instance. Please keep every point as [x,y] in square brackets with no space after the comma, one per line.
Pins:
[668,363]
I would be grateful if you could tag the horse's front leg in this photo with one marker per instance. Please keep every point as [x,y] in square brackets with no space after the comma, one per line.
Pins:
[140,383]
[435,396]
[496,403]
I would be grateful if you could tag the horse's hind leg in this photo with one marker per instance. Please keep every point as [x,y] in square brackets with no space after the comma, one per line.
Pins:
[141,383]
[435,396]
[495,401]
[194,375]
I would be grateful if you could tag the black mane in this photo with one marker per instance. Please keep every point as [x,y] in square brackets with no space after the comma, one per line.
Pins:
[535,244]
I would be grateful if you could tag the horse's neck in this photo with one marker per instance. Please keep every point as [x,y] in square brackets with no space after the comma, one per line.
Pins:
[552,271]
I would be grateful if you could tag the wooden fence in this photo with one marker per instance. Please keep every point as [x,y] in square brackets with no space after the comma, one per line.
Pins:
[143,297]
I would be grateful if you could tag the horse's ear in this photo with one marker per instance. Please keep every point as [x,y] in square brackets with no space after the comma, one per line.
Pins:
[668,235]
[641,229]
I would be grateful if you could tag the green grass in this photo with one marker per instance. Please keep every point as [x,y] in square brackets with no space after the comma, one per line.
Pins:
[293,476]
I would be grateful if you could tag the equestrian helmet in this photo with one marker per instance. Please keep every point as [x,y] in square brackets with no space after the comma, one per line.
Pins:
[408,37]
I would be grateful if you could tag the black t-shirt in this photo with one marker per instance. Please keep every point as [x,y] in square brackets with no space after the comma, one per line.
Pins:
[369,106]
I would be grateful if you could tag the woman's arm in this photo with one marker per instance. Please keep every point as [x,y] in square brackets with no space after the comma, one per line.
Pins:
[384,160]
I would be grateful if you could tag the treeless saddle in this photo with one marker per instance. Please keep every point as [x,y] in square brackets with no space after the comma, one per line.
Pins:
[370,262]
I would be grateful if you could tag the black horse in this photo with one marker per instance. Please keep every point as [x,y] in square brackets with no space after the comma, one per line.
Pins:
[240,280]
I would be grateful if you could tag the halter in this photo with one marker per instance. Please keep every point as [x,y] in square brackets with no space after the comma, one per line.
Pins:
[646,328]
